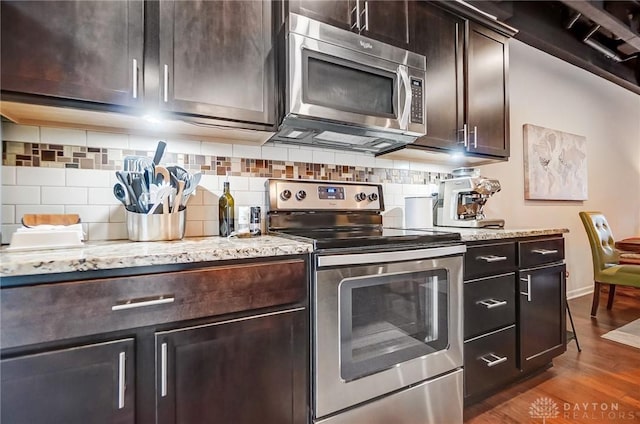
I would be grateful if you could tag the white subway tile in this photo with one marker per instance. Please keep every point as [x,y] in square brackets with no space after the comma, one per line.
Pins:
[210,228]
[27,175]
[23,133]
[22,210]
[107,231]
[246,151]
[366,161]
[299,155]
[102,196]
[416,189]
[117,214]
[383,163]
[191,147]
[392,188]
[328,157]
[107,140]
[88,177]
[20,195]
[90,213]
[7,232]
[401,164]
[216,149]
[193,229]
[209,182]
[346,159]
[274,153]
[64,136]
[257,184]
[64,196]
[8,214]
[144,143]
[249,198]
[8,175]
[236,184]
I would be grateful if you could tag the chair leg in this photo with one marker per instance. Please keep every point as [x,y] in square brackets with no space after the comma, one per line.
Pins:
[596,298]
[612,293]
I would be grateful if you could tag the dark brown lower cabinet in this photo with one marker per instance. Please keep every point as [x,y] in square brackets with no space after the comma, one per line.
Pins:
[244,371]
[542,315]
[86,384]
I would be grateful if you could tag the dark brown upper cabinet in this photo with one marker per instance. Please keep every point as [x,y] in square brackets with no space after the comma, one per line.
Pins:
[386,21]
[467,100]
[217,59]
[81,50]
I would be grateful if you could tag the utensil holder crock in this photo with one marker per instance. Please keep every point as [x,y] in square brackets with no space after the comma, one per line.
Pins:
[156,227]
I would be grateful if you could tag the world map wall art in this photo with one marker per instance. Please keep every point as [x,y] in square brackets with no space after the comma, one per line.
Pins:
[555,164]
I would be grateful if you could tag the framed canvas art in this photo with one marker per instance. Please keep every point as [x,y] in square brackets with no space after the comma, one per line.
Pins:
[555,164]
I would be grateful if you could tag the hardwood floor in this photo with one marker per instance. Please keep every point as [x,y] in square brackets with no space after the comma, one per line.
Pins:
[601,384]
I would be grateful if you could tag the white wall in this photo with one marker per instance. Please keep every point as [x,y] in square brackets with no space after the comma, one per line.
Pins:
[548,92]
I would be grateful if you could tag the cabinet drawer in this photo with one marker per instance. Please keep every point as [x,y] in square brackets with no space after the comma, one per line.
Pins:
[480,261]
[489,361]
[57,311]
[489,304]
[538,252]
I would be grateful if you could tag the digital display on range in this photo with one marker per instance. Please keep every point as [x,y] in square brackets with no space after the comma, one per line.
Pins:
[331,192]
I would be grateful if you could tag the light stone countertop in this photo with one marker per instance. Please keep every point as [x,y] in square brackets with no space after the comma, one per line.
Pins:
[125,254]
[479,234]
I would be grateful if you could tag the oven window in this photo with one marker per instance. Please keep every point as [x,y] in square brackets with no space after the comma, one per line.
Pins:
[391,318]
[334,84]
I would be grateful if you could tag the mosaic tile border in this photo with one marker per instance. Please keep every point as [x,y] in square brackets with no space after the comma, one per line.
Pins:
[81,157]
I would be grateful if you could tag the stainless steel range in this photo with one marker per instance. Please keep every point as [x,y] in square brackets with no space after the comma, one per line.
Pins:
[385,303]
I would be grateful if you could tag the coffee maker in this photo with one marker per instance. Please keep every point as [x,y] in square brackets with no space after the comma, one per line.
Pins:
[462,198]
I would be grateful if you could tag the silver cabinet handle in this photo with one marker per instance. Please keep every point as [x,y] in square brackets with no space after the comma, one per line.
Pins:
[491,303]
[140,303]
[464,135]
[528,292]
[357,10]
[492,258]
[163,369]
[545,251]
[493,359]
[406,108]
[122,359]
[475,137]
[366,15]
[135,79]
[166,83]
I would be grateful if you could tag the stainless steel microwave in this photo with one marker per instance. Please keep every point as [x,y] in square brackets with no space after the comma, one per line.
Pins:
[347,91]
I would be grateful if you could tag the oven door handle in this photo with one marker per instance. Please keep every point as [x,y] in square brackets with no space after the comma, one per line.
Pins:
[406,108]
[395,256]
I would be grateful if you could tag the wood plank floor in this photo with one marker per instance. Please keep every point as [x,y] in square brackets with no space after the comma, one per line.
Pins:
[586,386]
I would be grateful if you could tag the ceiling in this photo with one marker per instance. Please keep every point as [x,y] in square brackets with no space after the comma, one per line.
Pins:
[602,37]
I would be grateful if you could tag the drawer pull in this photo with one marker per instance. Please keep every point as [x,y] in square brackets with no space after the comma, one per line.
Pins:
[491,303]
[528,292]
[493,360]
[142,302]
[545,251]
[492,258]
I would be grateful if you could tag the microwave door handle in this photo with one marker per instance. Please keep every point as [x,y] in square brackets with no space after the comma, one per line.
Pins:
[406,109]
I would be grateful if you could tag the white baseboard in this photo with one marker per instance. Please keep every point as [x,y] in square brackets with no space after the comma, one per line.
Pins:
[582,291]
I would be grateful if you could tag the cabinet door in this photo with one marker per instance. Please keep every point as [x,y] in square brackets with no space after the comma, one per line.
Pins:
[243,371]
[217,59]
[387,21]
[542,333]
[86,384]
[439,36]
[487,104]
[83,50]
[332,12]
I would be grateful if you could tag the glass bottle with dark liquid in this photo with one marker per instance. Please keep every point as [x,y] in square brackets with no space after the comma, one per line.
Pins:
[225,212]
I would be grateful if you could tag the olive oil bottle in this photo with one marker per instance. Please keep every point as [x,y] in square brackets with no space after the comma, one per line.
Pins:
[225,212]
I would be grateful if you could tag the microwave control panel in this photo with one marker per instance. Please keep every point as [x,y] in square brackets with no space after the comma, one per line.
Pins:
[417,101]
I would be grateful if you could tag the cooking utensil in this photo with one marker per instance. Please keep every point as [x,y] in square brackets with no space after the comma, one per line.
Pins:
[158,195]
[178,199]
[166,176]
[190,187]
[159,152]
[121,193]
[124,178]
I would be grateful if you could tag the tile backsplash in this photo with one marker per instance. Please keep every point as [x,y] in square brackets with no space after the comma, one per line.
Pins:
[52,170]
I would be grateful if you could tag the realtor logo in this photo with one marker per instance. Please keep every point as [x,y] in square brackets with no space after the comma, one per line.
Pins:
[544,408]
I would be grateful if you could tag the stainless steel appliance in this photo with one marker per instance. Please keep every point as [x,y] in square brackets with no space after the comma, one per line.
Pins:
[461,200]
[348,91]
[386,306]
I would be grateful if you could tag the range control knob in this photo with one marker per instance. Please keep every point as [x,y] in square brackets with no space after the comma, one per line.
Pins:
[300,195]
[373,197]
[285,195]
[360,197]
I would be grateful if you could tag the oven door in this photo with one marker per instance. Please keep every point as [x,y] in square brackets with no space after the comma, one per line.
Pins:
[384,321]
[334,81]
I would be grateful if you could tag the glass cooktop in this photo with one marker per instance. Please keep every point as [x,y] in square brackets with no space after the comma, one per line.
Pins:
[370,237]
